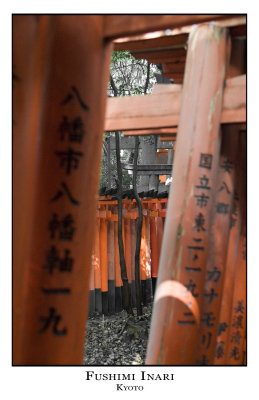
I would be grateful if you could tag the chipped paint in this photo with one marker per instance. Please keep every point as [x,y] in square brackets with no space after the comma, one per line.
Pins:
[179,258]
[192,191]
[158,362]
[212,107]
[180,232]
[193,37]
[216,32]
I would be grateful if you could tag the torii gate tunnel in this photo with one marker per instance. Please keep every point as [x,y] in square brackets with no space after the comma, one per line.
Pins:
[60,111]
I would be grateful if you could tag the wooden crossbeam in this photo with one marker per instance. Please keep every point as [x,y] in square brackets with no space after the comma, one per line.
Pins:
[126,25]
[150,169]
[175,36]
[147,132]
[151,43]
[168,138]
[163,109]
[128,143]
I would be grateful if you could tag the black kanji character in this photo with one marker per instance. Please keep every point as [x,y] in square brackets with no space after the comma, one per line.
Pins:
[66,263]
[203,183]
[76,95]
[211,295]
[222,327]
[187,321]
[52,319]
[222,208]
[240,307]
[200,248]
[227,165]
[208,319]
[235,353]
[197,240]
[208,340]
[52,259]
[215,273]
[66,230]
[224,187]
[205,161]
[236,337]
[191,287]
[69,159]
[201,200]
[66,191]
[220,349]
[78,131]
[199,223]
[237,321]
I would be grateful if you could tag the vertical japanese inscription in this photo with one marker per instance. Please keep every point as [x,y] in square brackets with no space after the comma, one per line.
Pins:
[196,247]
[62,228]
[214,269]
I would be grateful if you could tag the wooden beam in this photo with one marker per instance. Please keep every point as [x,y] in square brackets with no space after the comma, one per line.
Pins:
[128,143]
[148,132]
[143,112]
[161,55]
[172,67]
[118,25]
[162,109]
[175,36]
[150,169]
[153,43]
[168,138]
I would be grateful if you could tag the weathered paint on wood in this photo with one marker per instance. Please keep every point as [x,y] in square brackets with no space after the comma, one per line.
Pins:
[211,295]
[185,244]
[125,25]
[67,91]
[162,108]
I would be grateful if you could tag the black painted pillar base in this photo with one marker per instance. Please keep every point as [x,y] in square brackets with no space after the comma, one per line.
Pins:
[111,297]
[91,302]
[118,299]
[98,301]
[154,285]
[105,305]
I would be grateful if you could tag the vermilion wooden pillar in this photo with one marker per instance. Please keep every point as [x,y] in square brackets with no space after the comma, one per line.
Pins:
[184,253]
[231,259]
[29,40]
[111,268]
[97,268]
[104,264]
[235,349]
[68,98]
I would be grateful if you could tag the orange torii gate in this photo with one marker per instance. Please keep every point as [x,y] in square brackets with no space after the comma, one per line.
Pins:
[59,115]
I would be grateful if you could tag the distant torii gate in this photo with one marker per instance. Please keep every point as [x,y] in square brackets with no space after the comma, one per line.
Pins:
[59,117]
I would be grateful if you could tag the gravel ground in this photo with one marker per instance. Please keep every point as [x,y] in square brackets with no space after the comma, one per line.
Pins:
[117,339]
